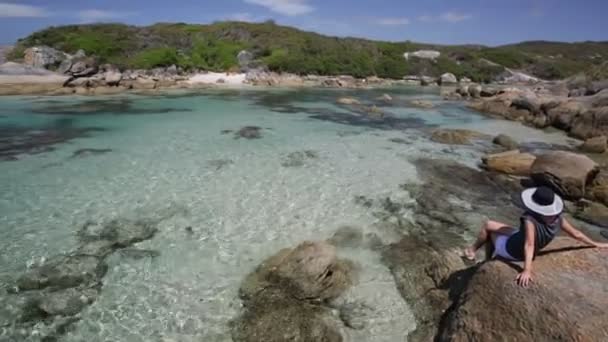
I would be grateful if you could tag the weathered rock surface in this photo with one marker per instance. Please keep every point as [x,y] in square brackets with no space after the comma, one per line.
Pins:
[249,132]
[423,54]
[284,296]
[567,173]
[505,141]
[511,162]
[597,190]
[455,136]
[63,272]
[566,301]
[595,145]
[43,57]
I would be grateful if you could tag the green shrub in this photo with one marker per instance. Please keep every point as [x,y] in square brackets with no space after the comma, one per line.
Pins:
[151,58]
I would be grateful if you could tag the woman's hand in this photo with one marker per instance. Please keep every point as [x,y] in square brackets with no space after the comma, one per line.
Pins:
[524,278]
[601,245]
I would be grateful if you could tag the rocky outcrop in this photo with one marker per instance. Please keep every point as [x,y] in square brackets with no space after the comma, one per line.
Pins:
[422,54]
[566,302]
[43,57]
[285,297]
[455,136]
[510,162]
[583,118]
[567,173]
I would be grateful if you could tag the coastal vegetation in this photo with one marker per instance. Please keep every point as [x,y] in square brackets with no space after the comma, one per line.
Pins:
[285,49]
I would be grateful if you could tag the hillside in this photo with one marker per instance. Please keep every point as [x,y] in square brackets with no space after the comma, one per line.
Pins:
[286,49]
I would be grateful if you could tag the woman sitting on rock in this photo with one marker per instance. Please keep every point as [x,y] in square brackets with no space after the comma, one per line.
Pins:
[539,225]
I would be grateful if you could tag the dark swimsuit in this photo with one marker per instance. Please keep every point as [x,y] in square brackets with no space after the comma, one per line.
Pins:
[545,233]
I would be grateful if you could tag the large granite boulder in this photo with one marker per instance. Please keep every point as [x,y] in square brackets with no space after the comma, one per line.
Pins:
[566,302]
[510,162]
[567,173]
[448,78]
[43,57]
[285,297]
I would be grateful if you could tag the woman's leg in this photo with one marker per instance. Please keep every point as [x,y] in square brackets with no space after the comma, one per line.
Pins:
[488,229]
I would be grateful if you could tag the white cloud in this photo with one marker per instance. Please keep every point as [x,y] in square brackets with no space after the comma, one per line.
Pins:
[92,15]
[454,17]
[425,18]
[393,21]
[450,17]
[22,11]
[246,17]
[286,7]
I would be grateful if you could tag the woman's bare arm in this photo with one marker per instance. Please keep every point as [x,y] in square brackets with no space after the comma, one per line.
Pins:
[580,236]
[525,277]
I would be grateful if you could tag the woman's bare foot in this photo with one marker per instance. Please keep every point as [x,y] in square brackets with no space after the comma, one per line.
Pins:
[469,254]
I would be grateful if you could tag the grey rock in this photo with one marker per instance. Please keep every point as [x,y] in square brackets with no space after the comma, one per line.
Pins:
[63,272]
[505,141]
[172,70]
[422,54]
[122,233]
[249,132]
[448,78]
[68,302]
[112,78]
[79,54]
[298,159]
[245,58]
[43,57]
[65,66]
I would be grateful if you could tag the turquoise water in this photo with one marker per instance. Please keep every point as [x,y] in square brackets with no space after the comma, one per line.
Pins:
[170,157]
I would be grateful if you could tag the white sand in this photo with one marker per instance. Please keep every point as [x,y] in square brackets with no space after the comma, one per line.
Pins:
[214,77]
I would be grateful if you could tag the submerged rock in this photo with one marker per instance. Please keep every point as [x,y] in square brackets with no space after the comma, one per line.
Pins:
[455,136]
[121,233]
[567,300]
[86,152]
[249,132]
[67,302]
[567,173]
[284,296]
[298,159]
[63,272]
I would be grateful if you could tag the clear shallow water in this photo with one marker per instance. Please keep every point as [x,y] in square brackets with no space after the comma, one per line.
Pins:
[244,199]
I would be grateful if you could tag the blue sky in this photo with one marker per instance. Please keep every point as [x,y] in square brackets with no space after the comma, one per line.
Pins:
[490,22]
